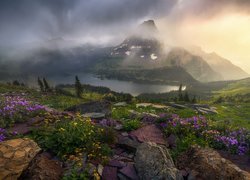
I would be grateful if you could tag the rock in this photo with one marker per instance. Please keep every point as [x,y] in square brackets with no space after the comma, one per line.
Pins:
[100,169]
[134,113]
[43,167]
[116,163]
[22,128]
[127,143]
[139,105]
[111,123]
[15,156]
[150,114]
[122,177]
[109,173]
[208,164]
[94,115]
[124,134]
[90,108]
[36,121]
[171,141]
[120,104]
[118,127]
[157,106]
[210,111]
[149,133]
[129,171]
[178,106]
[154,162]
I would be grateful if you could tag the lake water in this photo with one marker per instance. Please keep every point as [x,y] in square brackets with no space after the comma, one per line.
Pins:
[116,85]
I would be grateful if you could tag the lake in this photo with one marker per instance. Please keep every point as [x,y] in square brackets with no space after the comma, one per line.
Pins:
[116,85]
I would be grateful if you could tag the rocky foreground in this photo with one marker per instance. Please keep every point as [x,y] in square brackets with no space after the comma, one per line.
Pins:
[143,153]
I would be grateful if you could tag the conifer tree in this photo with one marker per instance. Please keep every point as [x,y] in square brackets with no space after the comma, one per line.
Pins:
[78,87]
[186,97]
[180,93]
[194,100]
[46,85]
[40,84]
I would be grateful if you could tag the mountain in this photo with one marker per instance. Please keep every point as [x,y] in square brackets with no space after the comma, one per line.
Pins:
[141,46]
[194,65]
[143,49]
[228,70]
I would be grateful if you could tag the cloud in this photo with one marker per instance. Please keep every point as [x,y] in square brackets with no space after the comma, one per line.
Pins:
[209,8]
[30,20]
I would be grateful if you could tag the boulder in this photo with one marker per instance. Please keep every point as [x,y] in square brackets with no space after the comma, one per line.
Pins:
[208,164]
[129,171]
[94,115]
[100,107]
[120,104]
[109,173]
[127,143]
[43,167]
[15,156]
[149,133]
[153,161]
[156,106]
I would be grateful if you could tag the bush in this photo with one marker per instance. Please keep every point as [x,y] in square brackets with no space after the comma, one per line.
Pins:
[130,125]
[68,137]
[17,109]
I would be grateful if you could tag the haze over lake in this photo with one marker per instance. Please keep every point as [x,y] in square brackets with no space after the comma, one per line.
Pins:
[116,85]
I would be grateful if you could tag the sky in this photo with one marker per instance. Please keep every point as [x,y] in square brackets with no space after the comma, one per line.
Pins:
[220,26]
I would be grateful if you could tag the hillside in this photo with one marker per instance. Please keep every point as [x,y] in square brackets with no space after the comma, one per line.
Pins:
[224,67]
[107,135]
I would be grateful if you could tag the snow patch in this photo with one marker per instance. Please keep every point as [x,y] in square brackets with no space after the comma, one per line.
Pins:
[128,53]
[153,56]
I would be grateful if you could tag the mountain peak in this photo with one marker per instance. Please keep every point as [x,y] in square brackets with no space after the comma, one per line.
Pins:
[148,26]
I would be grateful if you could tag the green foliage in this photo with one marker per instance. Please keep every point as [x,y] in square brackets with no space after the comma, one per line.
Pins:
[76,174]
[130,125]
[184,143]
[65,136]
[120,113]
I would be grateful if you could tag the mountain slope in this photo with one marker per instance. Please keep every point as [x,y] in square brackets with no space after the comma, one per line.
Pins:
[194,65]
[228,70]
[144,50]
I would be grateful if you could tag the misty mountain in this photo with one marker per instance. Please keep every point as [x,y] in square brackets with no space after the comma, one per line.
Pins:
[144,49]
[227,70]
[141,50]
[48,58]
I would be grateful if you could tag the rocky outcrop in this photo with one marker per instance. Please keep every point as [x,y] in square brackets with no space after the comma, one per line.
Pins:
[206,163]
[149,133]
[97,109]
[154,162]
[15,156]
[44,167]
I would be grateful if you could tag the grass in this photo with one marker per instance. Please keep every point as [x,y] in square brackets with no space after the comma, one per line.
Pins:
[234,115]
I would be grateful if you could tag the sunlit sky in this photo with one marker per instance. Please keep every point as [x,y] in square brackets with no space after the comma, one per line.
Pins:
[227,35]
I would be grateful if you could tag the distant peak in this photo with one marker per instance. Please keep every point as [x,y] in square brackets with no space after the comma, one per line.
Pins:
[148,25]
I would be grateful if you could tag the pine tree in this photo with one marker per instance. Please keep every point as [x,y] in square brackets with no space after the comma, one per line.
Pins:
[180,93]
[46,85]
[40,84]
[78,87]
[186,97]
[194,100]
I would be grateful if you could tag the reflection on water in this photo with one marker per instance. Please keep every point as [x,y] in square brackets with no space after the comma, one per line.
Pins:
[116,85]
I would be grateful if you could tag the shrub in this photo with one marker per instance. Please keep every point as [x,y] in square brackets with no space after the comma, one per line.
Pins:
[130,125]
[17,109]
[68,137]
